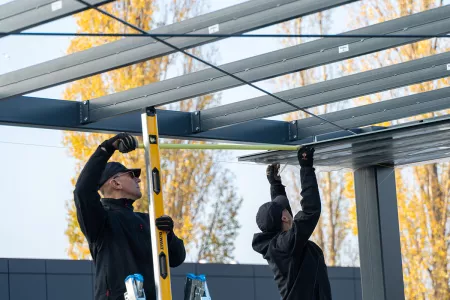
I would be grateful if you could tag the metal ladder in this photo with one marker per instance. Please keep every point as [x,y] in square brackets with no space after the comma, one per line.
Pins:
[196,288]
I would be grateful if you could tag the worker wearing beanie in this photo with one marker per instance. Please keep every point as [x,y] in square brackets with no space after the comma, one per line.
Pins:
[297,263]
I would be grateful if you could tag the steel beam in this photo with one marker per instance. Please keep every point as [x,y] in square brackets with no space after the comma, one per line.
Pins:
[64,115]
[347,87]
[19,15]
[387,110]
[378,234]
[272,64]
[240,18]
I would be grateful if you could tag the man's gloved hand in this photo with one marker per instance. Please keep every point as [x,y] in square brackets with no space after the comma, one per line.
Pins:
[123,142]
[272,174]
[164,223]
[305,156]
[127,144]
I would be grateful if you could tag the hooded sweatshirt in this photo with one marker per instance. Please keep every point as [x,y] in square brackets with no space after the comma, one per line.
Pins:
[298,264]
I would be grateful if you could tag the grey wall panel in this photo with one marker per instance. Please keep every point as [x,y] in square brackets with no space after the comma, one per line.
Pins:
[74,280]
[69,287]
[225,270]
[3,265]
[183,269]
[340,273]
[343,289]
[69,267]
[4,287]
[266,288]
[36,266]
[358,289]
[178,287]
[226,288]
[27,286]
[262,271]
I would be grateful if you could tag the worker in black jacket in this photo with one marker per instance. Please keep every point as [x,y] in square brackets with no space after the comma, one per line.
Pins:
[119,238]
[297,263]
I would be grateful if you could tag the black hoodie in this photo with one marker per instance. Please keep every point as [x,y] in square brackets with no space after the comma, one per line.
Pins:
[297,263]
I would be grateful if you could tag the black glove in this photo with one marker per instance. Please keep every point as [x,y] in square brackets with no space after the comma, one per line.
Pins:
[128,143]
[123,142]
[272,174]
[305,156]
[164,223]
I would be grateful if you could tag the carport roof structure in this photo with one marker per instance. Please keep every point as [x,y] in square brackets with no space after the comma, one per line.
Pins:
[244,121]
[345,138]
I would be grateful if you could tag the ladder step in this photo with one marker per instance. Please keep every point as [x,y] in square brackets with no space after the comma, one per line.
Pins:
[196,288]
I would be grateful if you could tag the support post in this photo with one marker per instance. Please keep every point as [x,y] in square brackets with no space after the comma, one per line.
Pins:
[378,234]
[160,251]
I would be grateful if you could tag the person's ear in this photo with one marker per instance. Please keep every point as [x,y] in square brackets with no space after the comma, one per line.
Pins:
[116,185]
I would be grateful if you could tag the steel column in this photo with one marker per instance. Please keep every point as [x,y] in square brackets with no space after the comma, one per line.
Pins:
[378,232]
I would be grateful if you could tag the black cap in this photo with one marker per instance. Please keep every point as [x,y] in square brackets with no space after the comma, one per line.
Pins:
[113,168]
[269,214]
[284,202]
[268,217]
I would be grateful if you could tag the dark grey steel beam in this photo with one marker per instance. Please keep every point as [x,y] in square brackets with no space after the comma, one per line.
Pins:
[19,15]
[269,65]
[64,115]
[347,87]
[239,18]
[378,234]
[387,110]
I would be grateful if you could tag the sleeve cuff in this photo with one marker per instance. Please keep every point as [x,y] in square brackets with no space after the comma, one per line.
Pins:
[107,147]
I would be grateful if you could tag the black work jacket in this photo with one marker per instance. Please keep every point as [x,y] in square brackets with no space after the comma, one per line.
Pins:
[119,238]
[297,263]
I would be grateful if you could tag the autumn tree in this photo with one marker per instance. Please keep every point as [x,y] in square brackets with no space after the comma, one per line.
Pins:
[199,193]
[423,192]
[332,228]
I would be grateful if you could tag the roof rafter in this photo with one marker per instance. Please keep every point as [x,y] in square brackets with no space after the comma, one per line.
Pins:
[268,65]
[239,18]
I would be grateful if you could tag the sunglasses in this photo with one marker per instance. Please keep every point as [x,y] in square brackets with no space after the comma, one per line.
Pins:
[131,173]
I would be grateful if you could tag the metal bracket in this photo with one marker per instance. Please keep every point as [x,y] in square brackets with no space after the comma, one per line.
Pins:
[293,130]
[84,112]
[195,121]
